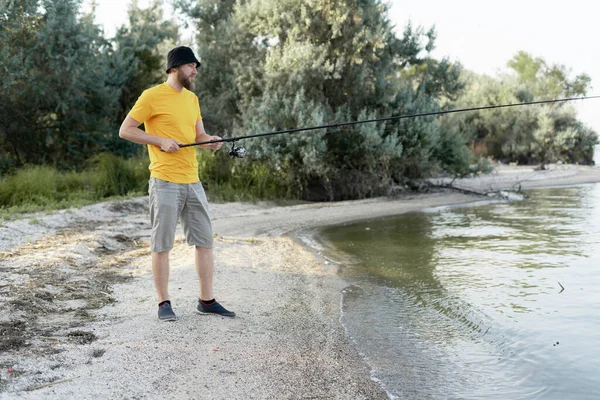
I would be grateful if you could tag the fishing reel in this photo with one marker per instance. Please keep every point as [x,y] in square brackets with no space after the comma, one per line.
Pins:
[237,152]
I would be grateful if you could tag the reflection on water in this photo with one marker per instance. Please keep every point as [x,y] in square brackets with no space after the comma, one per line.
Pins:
[467,302]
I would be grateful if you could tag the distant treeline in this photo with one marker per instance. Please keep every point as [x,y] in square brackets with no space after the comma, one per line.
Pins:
[272,65]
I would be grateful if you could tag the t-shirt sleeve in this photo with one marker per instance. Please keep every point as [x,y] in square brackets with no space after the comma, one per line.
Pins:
[142,109]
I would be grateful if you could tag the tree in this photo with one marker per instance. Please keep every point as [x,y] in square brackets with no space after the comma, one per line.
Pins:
[345,59]
[55,101]
[546,81]
[527,134]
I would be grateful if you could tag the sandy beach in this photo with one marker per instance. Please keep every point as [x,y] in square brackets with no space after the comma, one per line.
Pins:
[79,305]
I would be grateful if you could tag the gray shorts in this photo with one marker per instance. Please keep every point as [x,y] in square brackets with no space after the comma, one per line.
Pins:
[170,201]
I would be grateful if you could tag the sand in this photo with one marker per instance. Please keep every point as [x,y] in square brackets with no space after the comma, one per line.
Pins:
[79,306]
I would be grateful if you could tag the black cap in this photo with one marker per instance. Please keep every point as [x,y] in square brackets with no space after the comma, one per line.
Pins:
[179,56]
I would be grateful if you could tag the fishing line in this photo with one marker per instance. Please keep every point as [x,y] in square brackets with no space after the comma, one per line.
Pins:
[240,152]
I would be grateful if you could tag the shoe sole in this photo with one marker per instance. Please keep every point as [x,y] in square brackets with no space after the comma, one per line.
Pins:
[212,313]
[168,319]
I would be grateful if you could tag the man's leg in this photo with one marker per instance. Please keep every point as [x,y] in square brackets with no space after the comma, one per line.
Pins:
[160,270]
[165,206]
[205,268]
[198,232]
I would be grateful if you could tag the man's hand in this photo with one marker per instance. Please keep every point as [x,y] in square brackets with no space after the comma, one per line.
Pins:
[215,146]
[169,145]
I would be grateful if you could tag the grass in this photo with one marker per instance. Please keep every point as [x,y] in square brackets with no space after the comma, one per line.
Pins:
[226,179]
[44,188]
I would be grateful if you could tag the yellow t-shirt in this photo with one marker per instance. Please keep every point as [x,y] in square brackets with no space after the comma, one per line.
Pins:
[171,114]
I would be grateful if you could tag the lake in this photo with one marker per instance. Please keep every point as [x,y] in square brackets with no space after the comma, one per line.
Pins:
[496,301]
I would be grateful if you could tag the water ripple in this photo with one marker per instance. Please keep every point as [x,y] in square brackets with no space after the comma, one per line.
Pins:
[466,303]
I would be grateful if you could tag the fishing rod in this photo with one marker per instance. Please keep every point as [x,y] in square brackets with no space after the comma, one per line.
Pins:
[240,152]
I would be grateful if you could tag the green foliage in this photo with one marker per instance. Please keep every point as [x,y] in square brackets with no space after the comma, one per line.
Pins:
[226,179]
[338,53]
[560,137]
[436,78]
[35,188]
[114,176]
[547,81]
[54,100]
[452,152]
[527,135]
[301,154]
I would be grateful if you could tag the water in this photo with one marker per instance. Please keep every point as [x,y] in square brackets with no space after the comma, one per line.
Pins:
[467,303]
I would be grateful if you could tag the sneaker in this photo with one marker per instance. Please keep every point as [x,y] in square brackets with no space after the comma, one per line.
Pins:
[214,308]
[165,313]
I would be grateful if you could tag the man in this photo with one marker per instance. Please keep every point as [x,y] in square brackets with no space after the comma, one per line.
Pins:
[171,115]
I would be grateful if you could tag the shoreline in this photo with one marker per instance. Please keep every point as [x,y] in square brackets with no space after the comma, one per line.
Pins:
[526,177]
[287,341]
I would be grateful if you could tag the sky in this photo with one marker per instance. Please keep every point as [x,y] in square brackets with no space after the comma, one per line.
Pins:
[484,35]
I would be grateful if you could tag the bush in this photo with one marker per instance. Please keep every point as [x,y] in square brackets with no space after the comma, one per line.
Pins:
[451,151]
[115,176]
[41,186]
[35,188]
[227,179]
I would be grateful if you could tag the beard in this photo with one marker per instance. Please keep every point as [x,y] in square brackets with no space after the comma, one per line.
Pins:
[186,81]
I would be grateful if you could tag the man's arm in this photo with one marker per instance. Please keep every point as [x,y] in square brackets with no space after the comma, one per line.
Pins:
[201,136]
[129,131]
